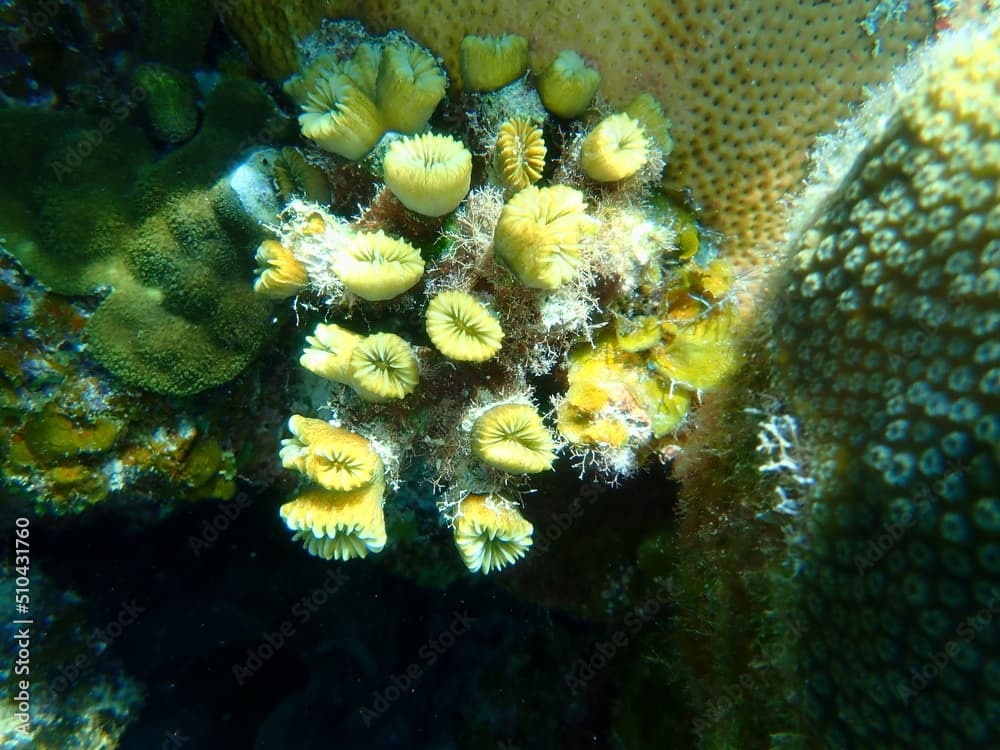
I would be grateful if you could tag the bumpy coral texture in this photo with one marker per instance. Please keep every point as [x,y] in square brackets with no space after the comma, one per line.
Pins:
[268,28]
[747,85]
[888,346]
[169,241]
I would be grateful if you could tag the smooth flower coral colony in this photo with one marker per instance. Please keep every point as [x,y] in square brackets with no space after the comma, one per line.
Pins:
[528,241]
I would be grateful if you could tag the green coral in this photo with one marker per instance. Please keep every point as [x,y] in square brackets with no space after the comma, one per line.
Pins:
[836,556]
[170,101]
[51,436]
[176,31]
[175,250]
[886,341]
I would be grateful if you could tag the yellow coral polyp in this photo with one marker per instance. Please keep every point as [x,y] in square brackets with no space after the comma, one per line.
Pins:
[379,368]
[490,533]
[617,148]
[702,353]
[338,525]
[341,118]
[567,85]
[329,352]
[342,464]
[613,391]
[294,176]
[279,273]
[491,62]
[383,368]
[335,458]
[649,113]
[363,68]
[377,267]
[461,328]
[409,86]
[594,414]
[301,85]
[429,174]
[538,235]
[294,449]
[638,335]
[512,438]
[519,157]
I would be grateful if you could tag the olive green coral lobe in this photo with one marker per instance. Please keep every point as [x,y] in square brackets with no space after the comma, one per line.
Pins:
[887,348]
[167,237]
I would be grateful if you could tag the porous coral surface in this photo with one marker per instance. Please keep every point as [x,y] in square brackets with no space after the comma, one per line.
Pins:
[747,85]
[886,338]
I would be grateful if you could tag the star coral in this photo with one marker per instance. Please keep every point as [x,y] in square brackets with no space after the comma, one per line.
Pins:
[517,258]
[726,73]
[166,242]
[886,346]
[862,516]
[74,439]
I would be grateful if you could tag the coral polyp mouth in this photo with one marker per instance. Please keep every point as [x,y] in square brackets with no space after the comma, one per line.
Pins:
[498,236]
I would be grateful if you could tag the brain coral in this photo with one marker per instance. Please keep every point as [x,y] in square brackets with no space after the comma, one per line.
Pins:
[887,348]
[747,85]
